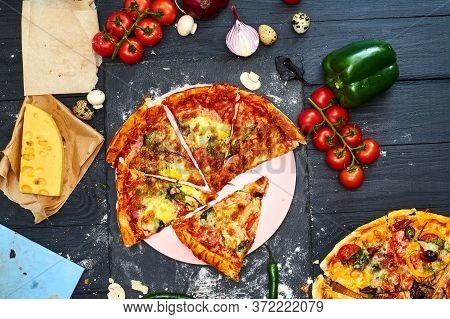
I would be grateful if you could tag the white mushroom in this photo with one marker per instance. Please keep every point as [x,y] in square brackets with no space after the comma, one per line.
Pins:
[186,25]
[250,81]
[96,98]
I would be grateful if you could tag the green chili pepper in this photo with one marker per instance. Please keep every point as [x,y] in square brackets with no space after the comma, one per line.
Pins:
[167,295]
[272,273]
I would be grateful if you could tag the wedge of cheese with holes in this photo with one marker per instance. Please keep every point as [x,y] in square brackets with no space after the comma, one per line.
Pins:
[42,160]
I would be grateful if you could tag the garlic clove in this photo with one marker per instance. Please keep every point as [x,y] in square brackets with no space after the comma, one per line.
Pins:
[96,97]
[250,81]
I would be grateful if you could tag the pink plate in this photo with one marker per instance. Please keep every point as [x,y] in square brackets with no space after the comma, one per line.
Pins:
[282,174]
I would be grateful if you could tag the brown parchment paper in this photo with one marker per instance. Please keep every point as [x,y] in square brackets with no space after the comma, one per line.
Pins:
[81,145]
[57,53]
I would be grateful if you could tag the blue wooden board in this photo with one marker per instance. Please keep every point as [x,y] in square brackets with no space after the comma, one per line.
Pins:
[30,271]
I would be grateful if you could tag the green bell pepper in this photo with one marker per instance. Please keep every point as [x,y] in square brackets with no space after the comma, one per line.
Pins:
[360,71]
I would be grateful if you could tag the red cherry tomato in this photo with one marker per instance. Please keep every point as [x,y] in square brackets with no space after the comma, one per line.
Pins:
[323,97]
[291,1]
[131,51]
[104,43]
[352,134]
[428,236]
[324,139]
[308,119]
[135,7]
[338,158]
[369,151]
[118,22]
[168,9]
[347,251]
[337,115]
[351,177]
[148,31]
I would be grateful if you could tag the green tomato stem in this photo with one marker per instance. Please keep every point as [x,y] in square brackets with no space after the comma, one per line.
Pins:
[344,143]
[130,31]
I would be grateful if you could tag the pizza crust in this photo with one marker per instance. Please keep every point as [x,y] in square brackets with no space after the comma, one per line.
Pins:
[322,290]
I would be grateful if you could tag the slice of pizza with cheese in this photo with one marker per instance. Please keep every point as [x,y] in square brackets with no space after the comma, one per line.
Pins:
[260,132]
[322,289]
[205,116]
[148,142]
[145,205]
[222,235]
[421,242]
[365,262]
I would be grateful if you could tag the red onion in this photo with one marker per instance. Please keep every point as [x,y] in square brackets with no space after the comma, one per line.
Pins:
[204,9]
[242,39]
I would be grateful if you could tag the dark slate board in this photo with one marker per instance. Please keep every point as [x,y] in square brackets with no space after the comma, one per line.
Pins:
[290,243]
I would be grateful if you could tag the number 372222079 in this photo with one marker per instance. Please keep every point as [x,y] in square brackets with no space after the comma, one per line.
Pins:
[287,306]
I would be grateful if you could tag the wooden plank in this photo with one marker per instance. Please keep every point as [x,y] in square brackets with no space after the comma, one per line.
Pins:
[86,246]
[419,51]
[269,11]
[411,112]
[406,176]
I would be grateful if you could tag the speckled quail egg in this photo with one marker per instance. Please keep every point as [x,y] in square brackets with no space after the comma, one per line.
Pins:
[301,22]
[267,34]
[82,111]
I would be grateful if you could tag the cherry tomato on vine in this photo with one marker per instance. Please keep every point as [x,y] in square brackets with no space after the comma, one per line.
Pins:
[131,51]
[368,152]
[337,115]
[338,158]
[324,139]
[135,7]
[308,119]
[168,9]
[104,43]
[291,1]
[322,97]
[347,251]
[352,134]
[351,177]
[148,31]
[118,22]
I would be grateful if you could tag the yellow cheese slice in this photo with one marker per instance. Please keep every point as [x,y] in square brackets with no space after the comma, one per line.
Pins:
[42,161]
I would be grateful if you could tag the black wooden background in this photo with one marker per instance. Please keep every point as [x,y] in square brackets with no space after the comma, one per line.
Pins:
[411,122]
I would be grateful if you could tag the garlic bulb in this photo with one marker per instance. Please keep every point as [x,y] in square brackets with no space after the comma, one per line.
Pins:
[242,39]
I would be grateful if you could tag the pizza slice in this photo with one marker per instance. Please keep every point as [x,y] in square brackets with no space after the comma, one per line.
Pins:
[364,262]
[260,132]
[421,242]
[222,235]
[204,116]
[148,142]
[145,205]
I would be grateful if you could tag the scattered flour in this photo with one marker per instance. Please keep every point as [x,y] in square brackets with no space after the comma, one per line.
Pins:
[284,292]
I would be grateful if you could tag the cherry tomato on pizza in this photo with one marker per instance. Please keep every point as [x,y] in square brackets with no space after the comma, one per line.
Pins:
[338,158]
[352,134]
[136,7]
[428,236]
[118,23]
[337,115]
[352,177]
[347,251]
[168,10]
[309,119]
[131,51]
[149,32]
[104,43]
[368,152]
[324,139]
[323,97]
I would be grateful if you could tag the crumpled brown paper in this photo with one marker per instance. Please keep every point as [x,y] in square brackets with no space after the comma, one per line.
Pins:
[81,145]
[57,53]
